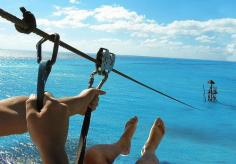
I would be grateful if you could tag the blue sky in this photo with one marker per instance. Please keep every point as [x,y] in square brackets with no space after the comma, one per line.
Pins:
[199,29]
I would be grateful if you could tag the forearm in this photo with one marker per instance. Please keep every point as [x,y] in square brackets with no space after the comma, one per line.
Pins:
[76,104]
[12,115]
[54,156]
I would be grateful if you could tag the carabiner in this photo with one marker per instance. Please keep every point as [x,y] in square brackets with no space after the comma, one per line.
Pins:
[45,68]
[56,40]
[104,64]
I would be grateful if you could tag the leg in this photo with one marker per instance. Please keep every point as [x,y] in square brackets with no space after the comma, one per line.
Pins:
[148,152]
[106,153]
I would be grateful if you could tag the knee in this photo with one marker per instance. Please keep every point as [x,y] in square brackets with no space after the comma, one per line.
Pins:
[93,156]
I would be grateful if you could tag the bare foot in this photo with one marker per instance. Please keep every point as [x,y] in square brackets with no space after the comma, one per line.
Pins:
[156,133]
[125,139]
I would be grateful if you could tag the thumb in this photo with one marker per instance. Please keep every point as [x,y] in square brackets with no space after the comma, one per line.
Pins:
[95,93]
[99,92]
[31,106]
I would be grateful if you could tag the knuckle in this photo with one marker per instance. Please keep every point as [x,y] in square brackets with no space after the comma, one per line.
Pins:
[52,103]
[49,94]
[63,108]
[31,116]
[29,101]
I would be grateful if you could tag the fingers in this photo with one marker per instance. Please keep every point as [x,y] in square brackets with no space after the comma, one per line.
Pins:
[91,97]
[53,104]
[94,95]
[47,95]
[94,103]
[31,106]
[99,92]
[94,91]
[50,102]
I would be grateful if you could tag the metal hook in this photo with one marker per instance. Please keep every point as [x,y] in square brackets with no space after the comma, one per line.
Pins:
[104,64]
[45,68]
[56,40]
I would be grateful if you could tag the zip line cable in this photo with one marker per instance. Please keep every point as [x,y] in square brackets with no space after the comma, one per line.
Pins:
[43,34]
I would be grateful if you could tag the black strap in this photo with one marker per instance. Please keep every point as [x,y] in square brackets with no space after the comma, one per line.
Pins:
[83,136]
[85,127]
[86,122]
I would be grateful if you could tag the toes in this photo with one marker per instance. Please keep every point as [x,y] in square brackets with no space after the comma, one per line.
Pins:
[132,121]
[160,125]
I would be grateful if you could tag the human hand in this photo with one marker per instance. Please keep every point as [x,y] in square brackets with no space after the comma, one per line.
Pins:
[79,104]
[91,97]
[48,128]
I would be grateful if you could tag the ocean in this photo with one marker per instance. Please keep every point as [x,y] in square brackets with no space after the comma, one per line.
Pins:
[203,135]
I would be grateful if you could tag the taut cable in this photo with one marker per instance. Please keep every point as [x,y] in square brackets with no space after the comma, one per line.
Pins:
[43,34]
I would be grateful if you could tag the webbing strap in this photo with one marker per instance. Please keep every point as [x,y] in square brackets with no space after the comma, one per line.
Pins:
[86,122]
[83,137]
[43,72]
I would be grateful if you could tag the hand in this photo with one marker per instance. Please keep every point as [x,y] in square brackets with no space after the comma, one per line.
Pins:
[79,104]
[91,97]
[48,128]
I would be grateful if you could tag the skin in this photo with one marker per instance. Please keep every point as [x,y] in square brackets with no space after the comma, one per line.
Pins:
[13,110]
[48,128]
[155,135]
[50,141]
[107,153]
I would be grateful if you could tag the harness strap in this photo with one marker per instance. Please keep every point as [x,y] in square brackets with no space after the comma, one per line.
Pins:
[105,63]
[83,136]
[85,127]
[45,68]
[43,72]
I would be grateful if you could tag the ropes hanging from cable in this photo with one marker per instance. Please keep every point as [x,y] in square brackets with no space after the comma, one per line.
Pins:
[28,25]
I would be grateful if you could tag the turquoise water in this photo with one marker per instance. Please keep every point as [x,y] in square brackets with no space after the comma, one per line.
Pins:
[192,136]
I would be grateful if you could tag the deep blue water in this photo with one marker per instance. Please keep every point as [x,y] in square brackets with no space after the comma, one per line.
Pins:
[192,136]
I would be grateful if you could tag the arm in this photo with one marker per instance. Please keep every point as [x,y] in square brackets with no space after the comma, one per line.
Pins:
[12,110]
[12,115]
[48,129]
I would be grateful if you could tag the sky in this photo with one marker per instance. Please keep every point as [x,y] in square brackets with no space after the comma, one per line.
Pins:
[193,29]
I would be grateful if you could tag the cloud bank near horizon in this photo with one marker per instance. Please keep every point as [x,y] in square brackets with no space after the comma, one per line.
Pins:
[127,32]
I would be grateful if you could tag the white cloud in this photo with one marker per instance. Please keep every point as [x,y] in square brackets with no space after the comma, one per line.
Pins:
[115,18]
[74,1]
[231,48]
[71,18]
[116,13]
[139,35]
[2,29]
[233,36]
[205,39]
[129,32]
[3,21]
[231,58]
[17,40]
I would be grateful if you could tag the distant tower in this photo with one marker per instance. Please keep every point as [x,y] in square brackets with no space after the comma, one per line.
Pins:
[212,91]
